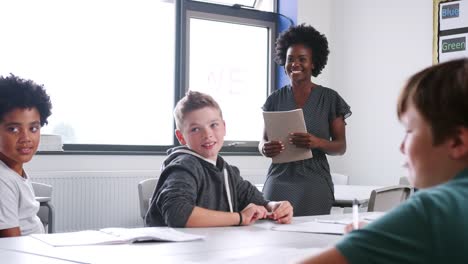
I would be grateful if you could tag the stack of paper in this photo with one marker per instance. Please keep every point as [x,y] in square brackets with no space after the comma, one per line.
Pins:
[109,236]
[278,126]
[50,142]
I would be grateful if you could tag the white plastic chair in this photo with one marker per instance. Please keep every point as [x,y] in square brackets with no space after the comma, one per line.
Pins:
[404,181]
[386,198]
[339,179]
[145,191]
[46,211]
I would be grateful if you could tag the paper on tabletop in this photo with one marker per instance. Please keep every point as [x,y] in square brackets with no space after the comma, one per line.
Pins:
[109,236]
[312,227]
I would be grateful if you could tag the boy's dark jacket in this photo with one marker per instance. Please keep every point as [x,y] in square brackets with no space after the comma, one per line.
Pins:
[187,180]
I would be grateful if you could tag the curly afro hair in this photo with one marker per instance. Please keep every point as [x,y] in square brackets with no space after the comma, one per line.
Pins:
[308,36]
[19,93]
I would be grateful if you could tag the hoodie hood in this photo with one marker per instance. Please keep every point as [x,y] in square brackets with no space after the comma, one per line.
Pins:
[181,150]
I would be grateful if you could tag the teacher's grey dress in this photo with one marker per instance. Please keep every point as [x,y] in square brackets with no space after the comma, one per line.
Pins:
[307,183]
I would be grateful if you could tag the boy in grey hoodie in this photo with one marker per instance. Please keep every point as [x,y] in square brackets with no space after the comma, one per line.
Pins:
[197,187]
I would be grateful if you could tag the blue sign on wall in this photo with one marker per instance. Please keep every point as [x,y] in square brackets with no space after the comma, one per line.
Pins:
[450,11]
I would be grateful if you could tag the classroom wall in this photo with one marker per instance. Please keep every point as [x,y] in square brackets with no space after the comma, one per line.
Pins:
[375,46]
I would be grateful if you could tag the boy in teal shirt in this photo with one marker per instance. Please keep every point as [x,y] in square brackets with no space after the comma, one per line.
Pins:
[431,227]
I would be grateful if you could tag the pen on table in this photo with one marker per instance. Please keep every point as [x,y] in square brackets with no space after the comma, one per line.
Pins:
[355,214]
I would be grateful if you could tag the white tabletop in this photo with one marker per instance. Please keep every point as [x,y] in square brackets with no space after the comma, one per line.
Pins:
[10,256]
[243,244]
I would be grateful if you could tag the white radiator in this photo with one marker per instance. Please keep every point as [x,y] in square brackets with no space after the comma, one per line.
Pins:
[92,192]
[94,199]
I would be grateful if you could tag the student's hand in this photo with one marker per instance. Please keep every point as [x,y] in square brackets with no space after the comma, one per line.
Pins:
[281,212]
[10,232]
[304,140]
[252,213]
[350,227]
[272,148]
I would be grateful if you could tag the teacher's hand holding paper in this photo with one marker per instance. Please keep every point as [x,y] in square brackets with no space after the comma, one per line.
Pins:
[304,140]
[278,128]
[272,148]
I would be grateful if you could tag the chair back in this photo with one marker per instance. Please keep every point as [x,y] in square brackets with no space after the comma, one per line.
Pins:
[386,198]
[339,179]
[404,181]
[45,212]
[145,192]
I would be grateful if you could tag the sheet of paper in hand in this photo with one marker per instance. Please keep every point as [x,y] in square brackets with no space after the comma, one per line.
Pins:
[278,126]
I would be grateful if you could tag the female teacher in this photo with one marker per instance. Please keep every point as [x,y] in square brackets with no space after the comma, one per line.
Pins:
[307,184]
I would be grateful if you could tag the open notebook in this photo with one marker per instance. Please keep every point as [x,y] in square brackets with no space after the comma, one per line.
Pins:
[109,236]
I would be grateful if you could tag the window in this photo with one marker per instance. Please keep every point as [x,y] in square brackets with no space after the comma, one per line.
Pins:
[228,55]
[107,65]
[114,69]
[264,5]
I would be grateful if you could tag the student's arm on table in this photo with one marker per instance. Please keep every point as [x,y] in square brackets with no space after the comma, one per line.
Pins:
[10,232]
[335,146]
[331,255]
[281,212]
[202,217]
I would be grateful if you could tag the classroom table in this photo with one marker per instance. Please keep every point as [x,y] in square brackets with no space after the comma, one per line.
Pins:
[244,244]
[345,194]
[11,256]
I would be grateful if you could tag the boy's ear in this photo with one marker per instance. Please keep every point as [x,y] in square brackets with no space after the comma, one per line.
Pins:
[180,137]
[459,145]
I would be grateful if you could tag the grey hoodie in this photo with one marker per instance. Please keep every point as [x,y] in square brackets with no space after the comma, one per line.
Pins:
[187,180]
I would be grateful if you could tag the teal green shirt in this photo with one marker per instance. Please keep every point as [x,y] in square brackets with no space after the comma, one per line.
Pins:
[431,227]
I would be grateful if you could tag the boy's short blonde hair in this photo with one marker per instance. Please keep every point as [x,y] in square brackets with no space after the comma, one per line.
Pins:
[190,102]
[440,94]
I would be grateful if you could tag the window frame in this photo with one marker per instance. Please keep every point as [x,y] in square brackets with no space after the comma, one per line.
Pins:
[223,13]
[203,10]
